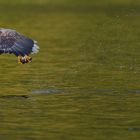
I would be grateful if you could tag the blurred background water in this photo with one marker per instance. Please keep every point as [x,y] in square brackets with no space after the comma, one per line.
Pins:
[84,84]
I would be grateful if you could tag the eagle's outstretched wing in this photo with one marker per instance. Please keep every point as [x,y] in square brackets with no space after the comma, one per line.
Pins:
[13,42]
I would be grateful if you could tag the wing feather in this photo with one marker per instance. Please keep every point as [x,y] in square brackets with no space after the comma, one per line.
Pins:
[13,42]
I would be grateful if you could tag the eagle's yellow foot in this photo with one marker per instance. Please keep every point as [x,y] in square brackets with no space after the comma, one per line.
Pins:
[24,60]
[19,59]
[28,58]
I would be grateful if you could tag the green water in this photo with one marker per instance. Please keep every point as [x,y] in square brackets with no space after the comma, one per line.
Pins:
[85,82]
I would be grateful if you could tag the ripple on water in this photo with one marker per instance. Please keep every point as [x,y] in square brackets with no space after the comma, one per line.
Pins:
[136,91]
[47,91]
[72,90]
[14,97]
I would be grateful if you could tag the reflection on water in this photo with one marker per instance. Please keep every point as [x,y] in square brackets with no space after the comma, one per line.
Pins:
[134,129]
[14,97]
[55,114]
[47,91]
[137,91]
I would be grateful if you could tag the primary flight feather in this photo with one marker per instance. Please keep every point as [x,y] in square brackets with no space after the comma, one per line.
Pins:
[13,42]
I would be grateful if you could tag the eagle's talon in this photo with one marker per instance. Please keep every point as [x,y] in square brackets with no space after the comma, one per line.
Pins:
[24,60]
[28,58]
[19,59]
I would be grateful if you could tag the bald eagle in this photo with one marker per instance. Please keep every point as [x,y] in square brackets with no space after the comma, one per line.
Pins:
[13,42]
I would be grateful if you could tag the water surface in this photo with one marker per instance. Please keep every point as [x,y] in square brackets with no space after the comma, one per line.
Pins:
[84,84]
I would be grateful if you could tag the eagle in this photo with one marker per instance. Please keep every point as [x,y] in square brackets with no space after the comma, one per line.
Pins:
[13,42]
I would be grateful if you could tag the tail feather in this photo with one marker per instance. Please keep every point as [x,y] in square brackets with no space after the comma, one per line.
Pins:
[35,48]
